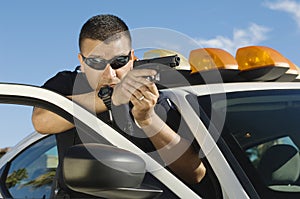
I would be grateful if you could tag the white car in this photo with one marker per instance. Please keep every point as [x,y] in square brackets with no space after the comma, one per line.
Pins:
[247,132]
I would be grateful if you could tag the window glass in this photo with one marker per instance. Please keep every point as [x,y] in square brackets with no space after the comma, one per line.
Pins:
[261,128]
[31,173]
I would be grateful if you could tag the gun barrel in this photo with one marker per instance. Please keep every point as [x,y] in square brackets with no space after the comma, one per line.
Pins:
[171,61]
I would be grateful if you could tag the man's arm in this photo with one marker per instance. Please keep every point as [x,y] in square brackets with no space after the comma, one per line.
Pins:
[174,150]
[47,122]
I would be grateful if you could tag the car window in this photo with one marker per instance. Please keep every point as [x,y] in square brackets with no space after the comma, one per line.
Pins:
[31,173]
[261,128]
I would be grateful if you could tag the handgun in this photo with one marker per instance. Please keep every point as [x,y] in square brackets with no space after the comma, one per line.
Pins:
[153,63]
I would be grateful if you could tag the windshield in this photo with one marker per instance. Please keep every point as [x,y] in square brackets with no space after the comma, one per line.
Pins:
[261,129]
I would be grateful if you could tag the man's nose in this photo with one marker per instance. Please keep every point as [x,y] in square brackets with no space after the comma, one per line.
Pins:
[109,72]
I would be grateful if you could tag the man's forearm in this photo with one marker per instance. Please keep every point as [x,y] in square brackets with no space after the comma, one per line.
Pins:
[176,152]
[47,122]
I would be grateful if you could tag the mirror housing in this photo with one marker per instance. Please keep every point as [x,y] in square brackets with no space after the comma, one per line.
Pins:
[105,171]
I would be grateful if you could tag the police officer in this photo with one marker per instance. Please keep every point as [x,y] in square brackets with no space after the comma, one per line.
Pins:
[106,80]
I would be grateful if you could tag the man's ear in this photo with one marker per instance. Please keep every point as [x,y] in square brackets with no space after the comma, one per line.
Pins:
[81,62]
[133,57]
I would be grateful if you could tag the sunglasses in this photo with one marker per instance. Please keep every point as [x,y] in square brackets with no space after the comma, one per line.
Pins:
[100,64]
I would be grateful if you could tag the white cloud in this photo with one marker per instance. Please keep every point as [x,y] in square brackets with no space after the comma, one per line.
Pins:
[289,6]
[253,35]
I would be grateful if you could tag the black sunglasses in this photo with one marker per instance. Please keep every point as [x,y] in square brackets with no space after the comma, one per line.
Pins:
[100,64]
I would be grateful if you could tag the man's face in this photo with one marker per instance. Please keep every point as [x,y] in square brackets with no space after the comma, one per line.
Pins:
[106,52]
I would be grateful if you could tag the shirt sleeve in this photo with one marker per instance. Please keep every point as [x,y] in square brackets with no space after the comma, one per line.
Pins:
[68,83]
[61,83]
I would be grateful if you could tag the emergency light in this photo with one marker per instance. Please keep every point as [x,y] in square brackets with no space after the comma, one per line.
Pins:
[205,59]
[212,65]
[261,63]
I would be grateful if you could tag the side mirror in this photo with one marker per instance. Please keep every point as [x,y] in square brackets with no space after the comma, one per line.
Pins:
[105,171]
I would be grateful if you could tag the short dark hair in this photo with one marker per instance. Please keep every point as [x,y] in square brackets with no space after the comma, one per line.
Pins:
[104,27]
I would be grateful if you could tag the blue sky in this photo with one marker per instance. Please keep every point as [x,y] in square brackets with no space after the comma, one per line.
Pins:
[39,38]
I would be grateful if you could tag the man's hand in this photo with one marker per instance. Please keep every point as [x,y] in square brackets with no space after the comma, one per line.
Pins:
[134,84]
[143,109]
[142,93]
